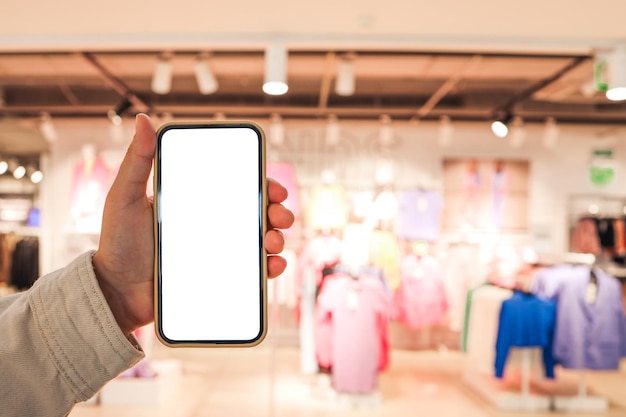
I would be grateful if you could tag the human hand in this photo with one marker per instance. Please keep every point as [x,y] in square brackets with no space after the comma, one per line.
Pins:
[124,261]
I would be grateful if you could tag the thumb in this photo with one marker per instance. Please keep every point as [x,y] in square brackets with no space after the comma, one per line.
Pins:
[132,177]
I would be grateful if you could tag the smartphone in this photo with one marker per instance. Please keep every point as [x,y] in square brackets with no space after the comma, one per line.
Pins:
[210,219]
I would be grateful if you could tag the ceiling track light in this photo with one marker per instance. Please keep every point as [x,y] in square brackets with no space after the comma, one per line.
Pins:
[551,133]
[518,132]
[16,168]
[47,128]
[116,113]
[445,131]
[34,174]
[616,74]
[277,130]
[385,135]
[205,77]
[276,70]
[500,126]
[162,76]
[345,82]
[333,131]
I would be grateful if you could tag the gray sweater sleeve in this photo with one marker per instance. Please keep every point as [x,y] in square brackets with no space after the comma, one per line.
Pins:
[59,343]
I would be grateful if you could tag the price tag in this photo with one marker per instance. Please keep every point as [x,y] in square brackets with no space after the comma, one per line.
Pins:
[592,293]
[353,300]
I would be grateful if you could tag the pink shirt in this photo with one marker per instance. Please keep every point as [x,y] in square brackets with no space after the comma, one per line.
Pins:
[352,331]
[421,298]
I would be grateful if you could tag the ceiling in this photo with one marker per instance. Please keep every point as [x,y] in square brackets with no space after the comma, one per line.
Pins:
[402,84]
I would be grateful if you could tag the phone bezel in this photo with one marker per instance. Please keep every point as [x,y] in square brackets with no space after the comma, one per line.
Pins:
[263,228]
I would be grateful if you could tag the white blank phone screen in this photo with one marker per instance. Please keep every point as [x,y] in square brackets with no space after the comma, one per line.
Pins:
[210,234]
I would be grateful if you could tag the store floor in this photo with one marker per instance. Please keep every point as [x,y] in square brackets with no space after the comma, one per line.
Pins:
[229,382]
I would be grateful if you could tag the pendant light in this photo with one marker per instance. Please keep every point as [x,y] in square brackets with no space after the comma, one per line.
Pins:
[205,78]
[275,70]
[47,128]
[162,76]
[617,74]
[345,82]
[446,130]
[333,131]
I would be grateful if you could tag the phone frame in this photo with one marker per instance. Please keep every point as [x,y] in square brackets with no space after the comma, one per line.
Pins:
[263,229]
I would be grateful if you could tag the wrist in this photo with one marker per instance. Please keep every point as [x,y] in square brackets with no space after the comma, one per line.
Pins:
[113,297]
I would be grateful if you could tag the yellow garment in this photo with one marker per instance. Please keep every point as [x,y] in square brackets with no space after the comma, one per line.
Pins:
[385,254]
[328,208]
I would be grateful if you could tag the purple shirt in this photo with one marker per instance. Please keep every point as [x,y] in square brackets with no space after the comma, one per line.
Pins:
[419,215]
[587,335]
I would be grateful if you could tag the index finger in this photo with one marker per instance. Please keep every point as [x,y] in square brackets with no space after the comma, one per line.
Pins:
[276,193]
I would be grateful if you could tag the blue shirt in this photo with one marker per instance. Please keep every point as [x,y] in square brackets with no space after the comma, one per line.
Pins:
[526,321]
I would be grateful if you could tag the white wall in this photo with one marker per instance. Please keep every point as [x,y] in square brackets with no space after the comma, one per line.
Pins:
[556,174]
[455,24]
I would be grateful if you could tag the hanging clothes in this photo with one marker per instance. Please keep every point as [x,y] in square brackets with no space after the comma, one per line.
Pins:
[463,271]
[319,253]
[7,245]
[352,315]
[526,321]
[483,326]
[606,232]
[420,301]
[384,253]
[327,208]
[590,332]
[283,291]
[466,318]
[25,263]
[419,213]
[91,180]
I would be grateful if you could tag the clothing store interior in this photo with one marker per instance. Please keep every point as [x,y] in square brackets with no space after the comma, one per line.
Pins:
[457,172]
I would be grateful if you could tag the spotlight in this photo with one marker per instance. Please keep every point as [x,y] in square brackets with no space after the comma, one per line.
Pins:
[445,131]
[19,172]
[116,114]
[345,82]
[205,78]
[34,174]
[47,128]
[275,70]
[617,74]
[4,167]
[36,177]
[385,136]
[551,133]
[333,131]
[277,130]
[500,127]
[162,76]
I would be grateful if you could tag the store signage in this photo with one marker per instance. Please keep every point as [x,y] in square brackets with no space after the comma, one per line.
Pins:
[602,167]
[599,75]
